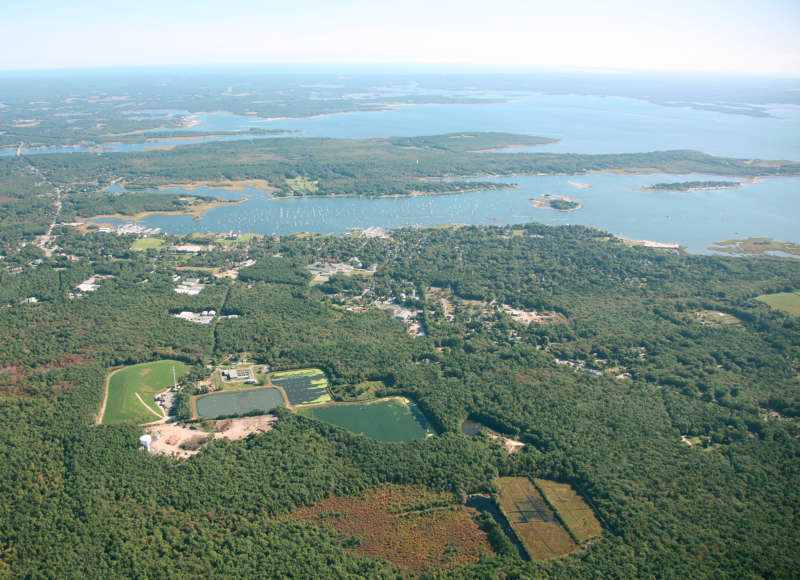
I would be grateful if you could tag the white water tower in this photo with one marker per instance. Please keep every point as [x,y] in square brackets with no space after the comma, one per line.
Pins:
[145,441]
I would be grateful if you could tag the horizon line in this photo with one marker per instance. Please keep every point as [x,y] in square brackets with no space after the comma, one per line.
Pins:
[407,67]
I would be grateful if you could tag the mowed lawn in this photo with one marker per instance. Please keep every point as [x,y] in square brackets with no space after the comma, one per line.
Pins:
[786,301]
[146,379]
[148,244]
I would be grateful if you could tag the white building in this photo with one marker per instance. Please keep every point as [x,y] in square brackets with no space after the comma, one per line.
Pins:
[203,318]
[145,441]
[187,248]
[190,286]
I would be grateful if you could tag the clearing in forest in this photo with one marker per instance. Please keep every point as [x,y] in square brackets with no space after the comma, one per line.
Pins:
[716,318]
[785,301]
[474,428]
[302,185]
[576,515]
[528,316]
[303,387]
[453,305]
[532,519]
[181,442]
[410,526]
[130,396]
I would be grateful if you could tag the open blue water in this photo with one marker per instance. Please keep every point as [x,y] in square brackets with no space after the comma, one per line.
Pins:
[584,123]
[696,219]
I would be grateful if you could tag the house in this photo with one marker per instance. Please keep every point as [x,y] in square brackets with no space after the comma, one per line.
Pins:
[88,285]
[405,315]
[202,318]
[190,286]
[236,374]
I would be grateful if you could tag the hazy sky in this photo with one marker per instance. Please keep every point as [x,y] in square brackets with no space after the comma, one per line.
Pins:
[709,35]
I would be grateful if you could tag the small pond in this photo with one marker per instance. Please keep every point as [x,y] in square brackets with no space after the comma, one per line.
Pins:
[472,428]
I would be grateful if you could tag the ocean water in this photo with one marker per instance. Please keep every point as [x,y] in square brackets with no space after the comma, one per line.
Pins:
[583,123]
[613,203]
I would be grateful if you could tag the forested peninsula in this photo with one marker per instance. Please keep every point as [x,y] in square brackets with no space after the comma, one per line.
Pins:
[370,167]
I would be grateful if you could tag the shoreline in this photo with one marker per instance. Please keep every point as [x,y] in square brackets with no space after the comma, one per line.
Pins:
[650,243]
[197,211]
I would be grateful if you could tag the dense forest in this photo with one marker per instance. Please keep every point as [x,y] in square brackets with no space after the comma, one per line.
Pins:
[601,394]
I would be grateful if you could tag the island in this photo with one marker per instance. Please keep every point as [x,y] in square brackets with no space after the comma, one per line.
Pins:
[687,186]
[556,202]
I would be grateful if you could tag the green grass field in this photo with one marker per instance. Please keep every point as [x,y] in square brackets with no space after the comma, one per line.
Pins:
[302,185]
[242,240]
[785,301]
[146,380]
[576,515]
[148,244]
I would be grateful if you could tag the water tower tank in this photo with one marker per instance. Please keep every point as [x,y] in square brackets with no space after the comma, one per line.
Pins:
[145,441]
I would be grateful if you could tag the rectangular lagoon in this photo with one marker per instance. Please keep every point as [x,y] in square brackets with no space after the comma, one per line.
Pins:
[238,403]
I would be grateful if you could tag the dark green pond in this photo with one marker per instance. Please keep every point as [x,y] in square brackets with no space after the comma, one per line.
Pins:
[391,420]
